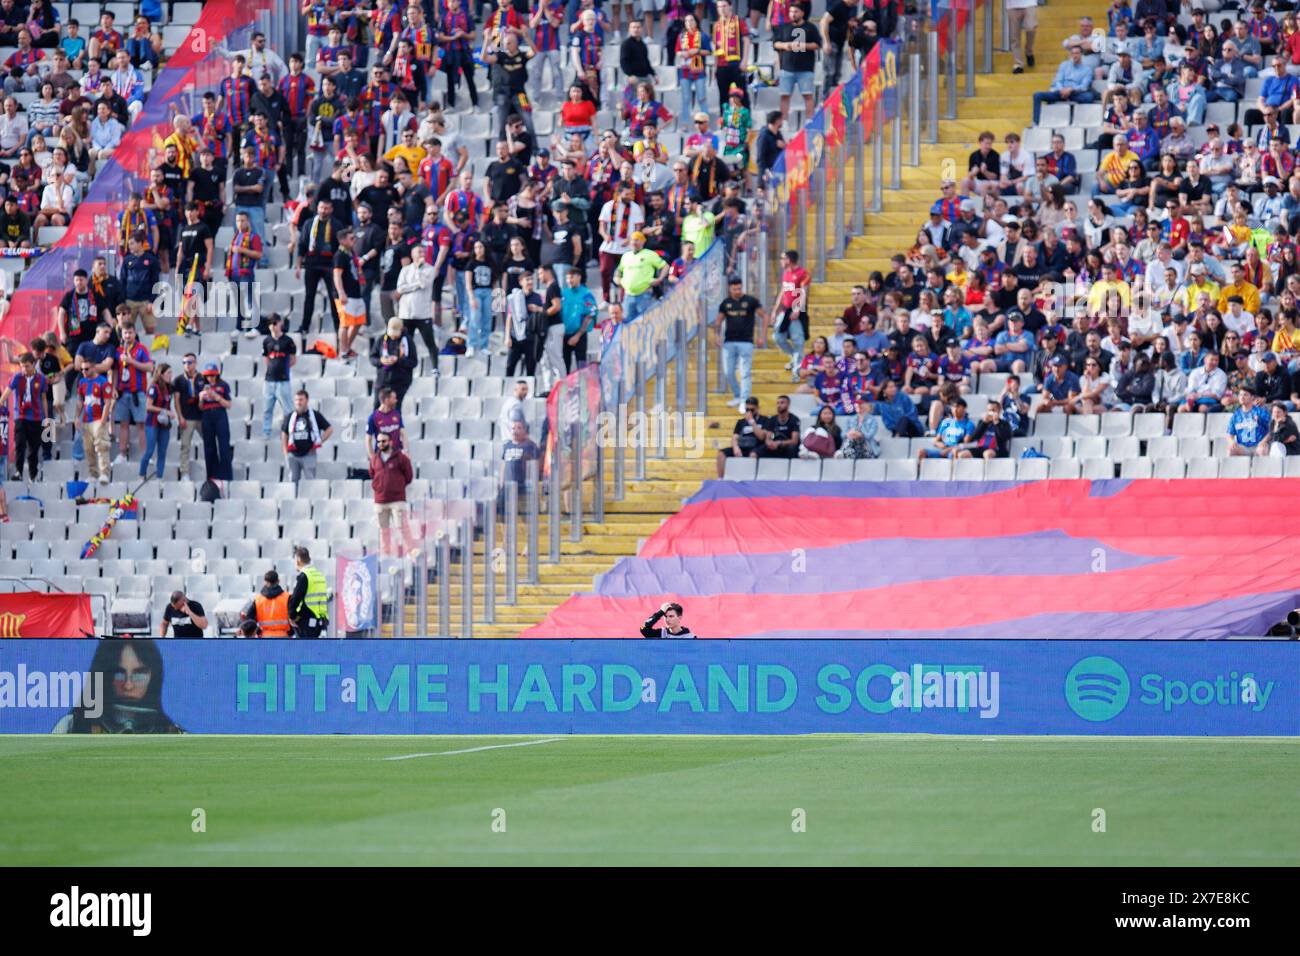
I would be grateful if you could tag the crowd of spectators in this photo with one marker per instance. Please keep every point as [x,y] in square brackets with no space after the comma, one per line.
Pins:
[1166,280]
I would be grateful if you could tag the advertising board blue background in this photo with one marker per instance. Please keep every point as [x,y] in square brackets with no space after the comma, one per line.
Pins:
[707,687]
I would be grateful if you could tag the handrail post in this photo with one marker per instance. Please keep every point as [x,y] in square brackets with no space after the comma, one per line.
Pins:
[467,577]
[931,101]
[444,583]
[534,496]
[512,539]
[987,66]
[620,440]
[878,159]
[914,115]
[490,560]
[950,104]
[575,512]
[970,48]
[819,185]
[859,178]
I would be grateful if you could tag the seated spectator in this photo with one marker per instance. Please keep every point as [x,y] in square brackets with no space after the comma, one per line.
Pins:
[953,432]
[1206,386]
[1249,428]
[992,436]
[1061,387]
[1283,437]
[860,430]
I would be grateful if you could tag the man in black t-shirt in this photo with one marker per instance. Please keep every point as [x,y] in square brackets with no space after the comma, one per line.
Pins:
[550,359]
[735,329]
[797,41]
[80,310]
[280,353]
[505,175]
[780,433]
[303,431]
[207,187]
[380,196]
[509,65]
[745,442]
[195,244]
[835,28]
[347,288]
[186,618]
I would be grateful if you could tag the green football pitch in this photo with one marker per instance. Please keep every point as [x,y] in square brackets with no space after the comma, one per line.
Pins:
[880,799]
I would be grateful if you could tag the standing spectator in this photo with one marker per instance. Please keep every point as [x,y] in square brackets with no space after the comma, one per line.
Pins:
[96,417]
[1022,15]
[302,435]
[797,41]
[214,401]
[525,326]
[639,272]
[509,63]
[189,418]
[386,420]
[139,275]
[516,453]
[414,292]
[158,420]
[739,327]
[390,473]
[578,307]
[242,260]
[730,42]
[318,241]
[183,616]
[619,219]
[30,389]
[250,191]
[347,286]
[134,367]
[393,354]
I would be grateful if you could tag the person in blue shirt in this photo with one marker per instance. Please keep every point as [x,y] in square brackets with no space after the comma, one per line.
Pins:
[871,340]
[578,310]
[953,432]
[1249,427]
[1278,91]
[1073,84]
[1014,347]
[898,412]
[1060,386]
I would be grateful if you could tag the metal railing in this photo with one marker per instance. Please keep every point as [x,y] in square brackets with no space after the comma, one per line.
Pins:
[484,541]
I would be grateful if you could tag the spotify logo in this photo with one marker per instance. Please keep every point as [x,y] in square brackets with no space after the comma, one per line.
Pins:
[1097,688]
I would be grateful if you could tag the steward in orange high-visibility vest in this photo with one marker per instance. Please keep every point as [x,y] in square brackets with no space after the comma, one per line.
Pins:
[270,607]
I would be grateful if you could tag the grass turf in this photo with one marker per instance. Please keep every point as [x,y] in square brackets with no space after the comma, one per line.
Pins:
[879,799]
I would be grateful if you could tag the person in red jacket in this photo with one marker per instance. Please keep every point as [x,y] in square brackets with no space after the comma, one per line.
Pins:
[390,473]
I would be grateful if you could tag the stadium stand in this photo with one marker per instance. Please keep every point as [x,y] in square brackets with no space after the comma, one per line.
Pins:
[453,408]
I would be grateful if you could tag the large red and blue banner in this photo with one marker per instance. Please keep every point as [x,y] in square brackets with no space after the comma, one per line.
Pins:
[1087,560]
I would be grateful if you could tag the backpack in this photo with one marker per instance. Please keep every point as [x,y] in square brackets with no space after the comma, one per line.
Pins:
[209,492]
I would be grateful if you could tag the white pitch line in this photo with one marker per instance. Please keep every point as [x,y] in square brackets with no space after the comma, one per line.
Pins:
[474,750]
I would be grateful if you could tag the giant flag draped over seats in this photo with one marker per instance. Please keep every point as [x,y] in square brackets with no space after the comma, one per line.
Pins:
[198,64]
[1048,559]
